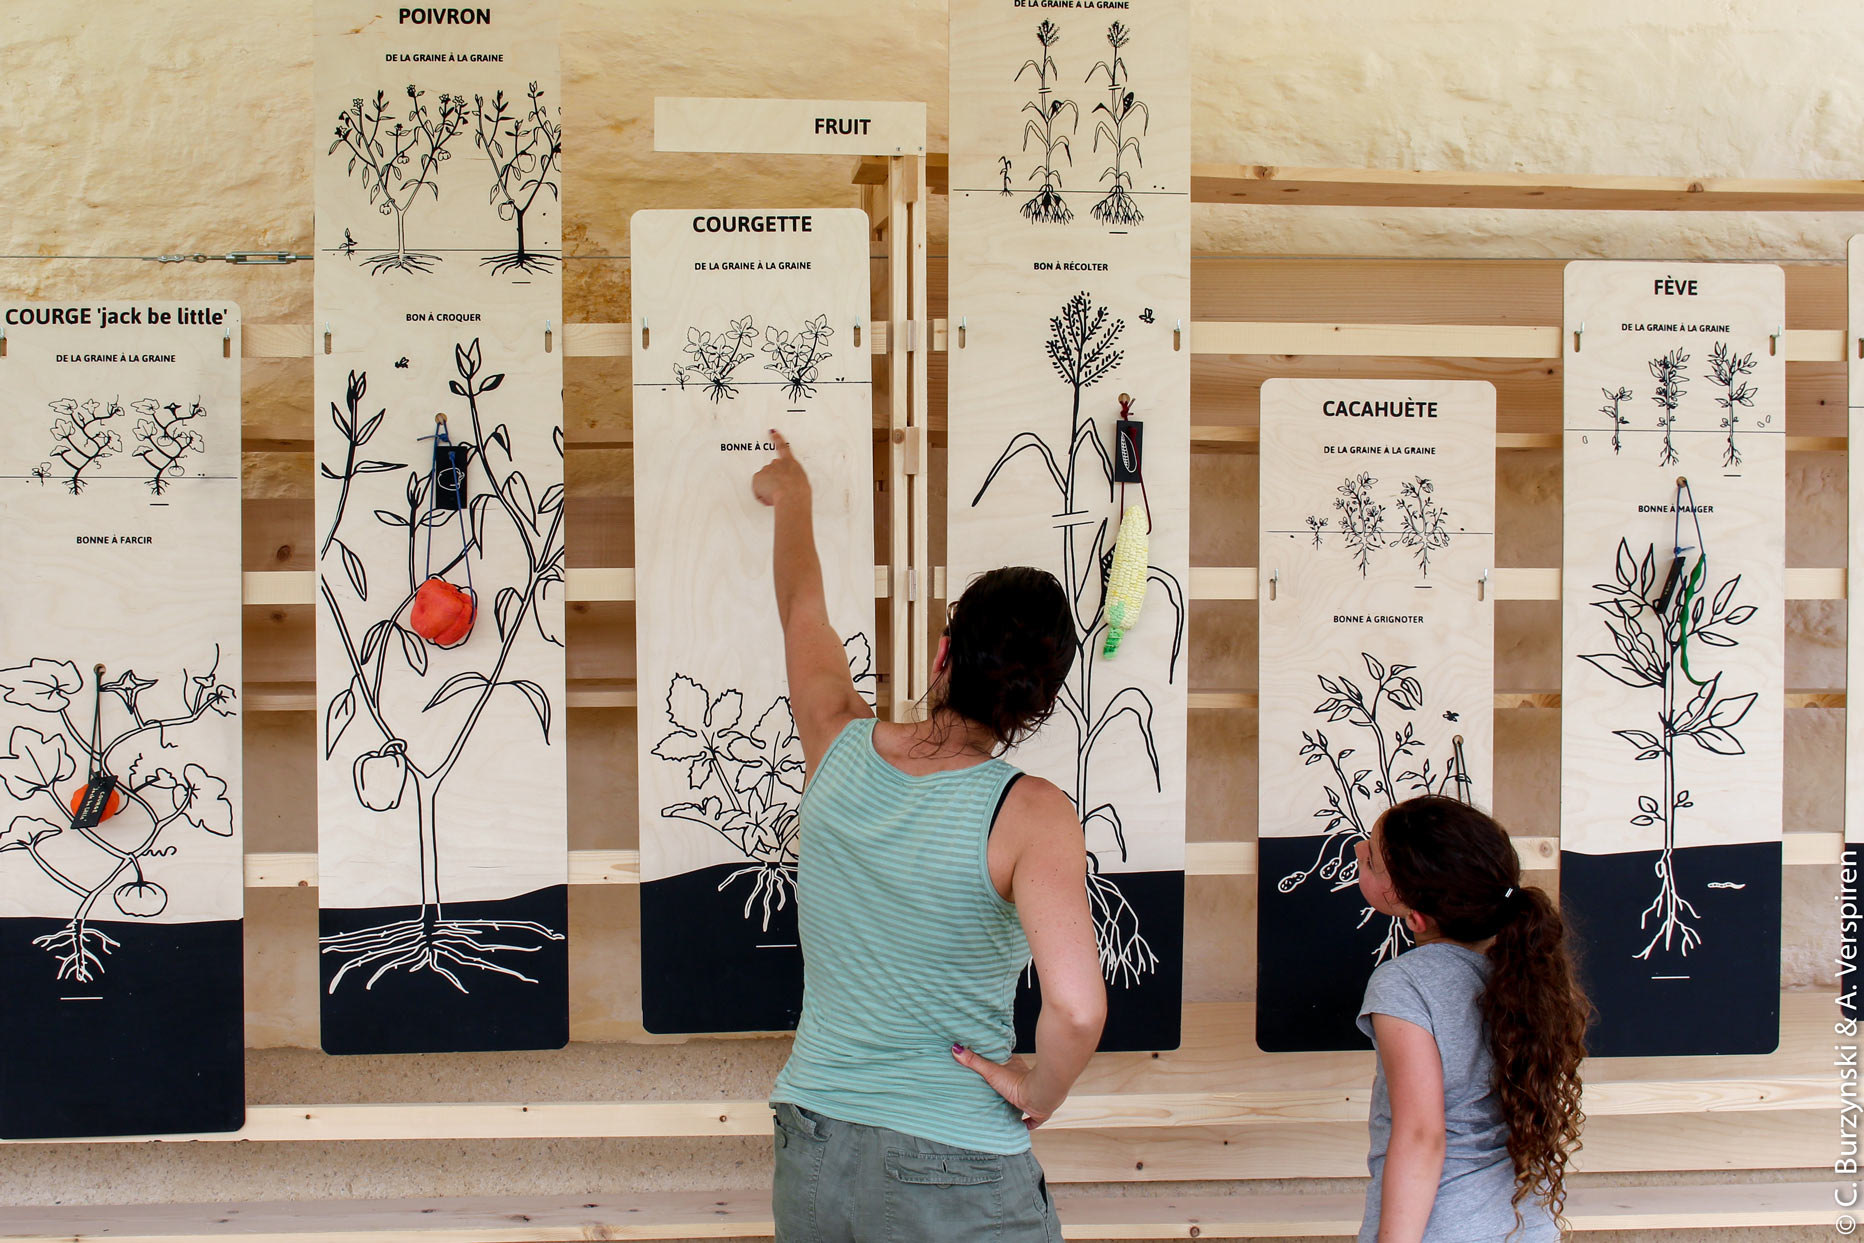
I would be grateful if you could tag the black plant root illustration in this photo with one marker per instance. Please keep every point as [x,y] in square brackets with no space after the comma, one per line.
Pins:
[391,773]
[1726,368]
[716,357]
[1081,348]
[798,356]
[163,438]
[1649,644]
[79,438]
[1356,796]
[1668,371]
[1613,410]
[1046,206]
[1118,205]
[524,148]
[48,762]
[749,784]
[398,157]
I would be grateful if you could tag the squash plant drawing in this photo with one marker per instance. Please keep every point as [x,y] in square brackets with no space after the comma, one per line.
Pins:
[1047,206]
[164,439]
[49,761]
[397,157]
[1113,118]
[79,438]
[400,774]
[1081,349]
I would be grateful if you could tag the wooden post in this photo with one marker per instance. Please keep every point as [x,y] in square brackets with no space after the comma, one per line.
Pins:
[901,580]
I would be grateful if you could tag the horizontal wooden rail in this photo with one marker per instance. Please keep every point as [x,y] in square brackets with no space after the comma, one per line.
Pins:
[1266,185]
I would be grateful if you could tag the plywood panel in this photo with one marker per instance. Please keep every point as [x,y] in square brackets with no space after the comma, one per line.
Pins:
[1377,664]
[1673,687]
[442,821]
[120,663]
[748,324]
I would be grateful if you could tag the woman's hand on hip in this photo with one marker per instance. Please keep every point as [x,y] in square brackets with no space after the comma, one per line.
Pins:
[1011,1080]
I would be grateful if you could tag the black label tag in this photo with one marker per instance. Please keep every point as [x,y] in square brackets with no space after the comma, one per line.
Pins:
[1129,437]
[450,476]
[97,794]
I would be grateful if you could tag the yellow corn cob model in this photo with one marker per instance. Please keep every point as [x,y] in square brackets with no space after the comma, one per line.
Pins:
[1126,584]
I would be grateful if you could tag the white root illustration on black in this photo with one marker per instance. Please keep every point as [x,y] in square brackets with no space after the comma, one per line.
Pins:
[1047,206]
[1112,122]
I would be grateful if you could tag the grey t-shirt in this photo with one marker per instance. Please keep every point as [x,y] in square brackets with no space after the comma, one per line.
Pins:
[1439,988]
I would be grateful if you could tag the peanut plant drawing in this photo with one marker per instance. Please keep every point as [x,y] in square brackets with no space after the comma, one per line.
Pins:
[390,775]
[397,157]
[1650,642]
[1358,790]
[164,439]
[79,438]
[524,146]
[798,356]
[1046,206]
[1114,116]
[50,760]
[716,357]
[1317,525]
[748,782]
[1081,348]
[1668,371]
[1613,410]
[1726,368]
[1423,525]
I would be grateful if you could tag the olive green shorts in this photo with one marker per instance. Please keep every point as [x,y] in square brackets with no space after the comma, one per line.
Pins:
[842,1182]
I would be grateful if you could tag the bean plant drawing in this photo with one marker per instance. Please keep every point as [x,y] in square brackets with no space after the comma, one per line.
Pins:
[1081,348]
[748,782]
[391,772]
[1423,523]
[1613,410]
[79,438]
[1726,368]
[49,761]
[1115,115]
[798,356]
[524,146]
[164,438]
[1649,642]
[1668,371]
[397,157]
[1359,787]
[1046,206]
[716,357]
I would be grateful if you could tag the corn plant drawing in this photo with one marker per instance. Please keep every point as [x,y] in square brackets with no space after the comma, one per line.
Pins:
[49,761]
[1046,206]
[1614,411]
[1668,371]
[1114,117]
[1649,645]
[164,439]
[798,356]
[391,773]
[1081,348]
[398,156]
[524,146]
[1358,787]
[748,777]
[1726,368]
[79,438]
[716,357]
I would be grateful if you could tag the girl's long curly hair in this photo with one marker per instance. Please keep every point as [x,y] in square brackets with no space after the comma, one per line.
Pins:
[1453,863]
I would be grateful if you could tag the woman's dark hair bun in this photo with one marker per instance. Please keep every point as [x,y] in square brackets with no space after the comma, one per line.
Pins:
[1012,644]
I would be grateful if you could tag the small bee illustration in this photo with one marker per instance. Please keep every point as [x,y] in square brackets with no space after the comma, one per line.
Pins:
[1145,316]
[1452,716]
[401,364]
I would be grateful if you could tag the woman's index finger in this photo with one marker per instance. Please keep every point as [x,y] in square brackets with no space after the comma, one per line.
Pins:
[783,446]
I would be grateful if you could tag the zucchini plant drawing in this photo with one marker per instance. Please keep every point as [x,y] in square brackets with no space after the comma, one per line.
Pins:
[1082,351]
[1043,125]
[80,438]
[715,357]
[50,760]
[524,146]
[396,773]
[1654,646]
[798,356]
[397,156]
[1726,368]
[1668,370]
[1112,121]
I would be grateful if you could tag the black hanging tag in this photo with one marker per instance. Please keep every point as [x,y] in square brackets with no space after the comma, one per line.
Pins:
[1669,584]
[1129,437]
[450,476]
[96,801]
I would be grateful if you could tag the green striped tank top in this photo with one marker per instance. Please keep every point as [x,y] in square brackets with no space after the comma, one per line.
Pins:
[907,948]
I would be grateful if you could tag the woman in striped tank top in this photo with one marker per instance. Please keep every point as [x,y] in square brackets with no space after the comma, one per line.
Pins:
[930,873]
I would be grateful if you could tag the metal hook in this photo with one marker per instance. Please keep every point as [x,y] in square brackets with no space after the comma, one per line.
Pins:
[1577,334]
[644,332]
[1773,339]
[857,332]
[1177,335]
[326,336]
[1482,586]
[226,344]
[547,335]
[1274,581]
[961,327]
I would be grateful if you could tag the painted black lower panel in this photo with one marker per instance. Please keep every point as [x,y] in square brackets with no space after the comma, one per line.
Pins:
[153,1045]
[423,1012]
[1723,996]
[706,967]
[1146,1014]
[1312,955]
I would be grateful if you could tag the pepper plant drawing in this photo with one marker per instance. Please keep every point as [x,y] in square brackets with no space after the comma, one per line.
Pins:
[1389,762]
[1655,647]
[391,773]
[524,146]
[1613,410]
[1667,370]
[747,777]
[1046,206]
[398,156]
[798,356]
[164,438]
[716,357]
[49,761]
[79,438]
[1726,368]
[1081,348]
[1114,116]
